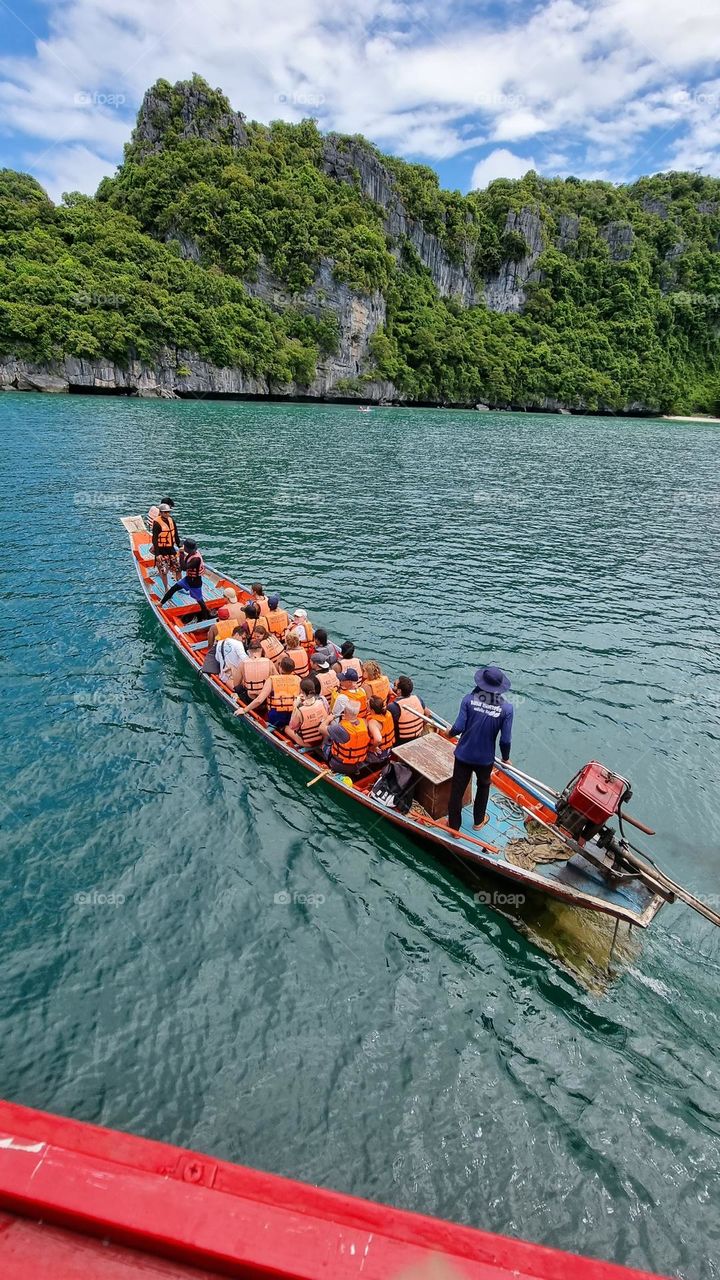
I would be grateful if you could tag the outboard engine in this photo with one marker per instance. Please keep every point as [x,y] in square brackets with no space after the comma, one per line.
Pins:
[593,796]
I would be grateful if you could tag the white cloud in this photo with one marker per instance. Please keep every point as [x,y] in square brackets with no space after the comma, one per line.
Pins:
[608,76]
[499,164]
[64,169]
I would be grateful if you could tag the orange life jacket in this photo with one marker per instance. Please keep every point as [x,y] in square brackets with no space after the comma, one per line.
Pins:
[409,725]
[355,695]
[379,688]
[301,660]
[355,749]
[346,663]
[261,602]
[224,628]
[277,621]
[166,536]
[304,625]
[285,690]
[272,648]
[255,672]
[328,682]
[311,718]
[387,729]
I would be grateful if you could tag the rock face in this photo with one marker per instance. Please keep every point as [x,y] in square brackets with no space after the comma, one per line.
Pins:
[619,237]
[568,230]
[506,291]
[188,110]
[657,207]
[348,161]
[164,380]
[357,315]
[50,383]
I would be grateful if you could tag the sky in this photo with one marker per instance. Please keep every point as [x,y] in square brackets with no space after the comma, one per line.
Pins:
[604,89]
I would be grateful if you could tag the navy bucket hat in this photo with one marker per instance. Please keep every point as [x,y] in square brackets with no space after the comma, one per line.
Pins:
[491,680]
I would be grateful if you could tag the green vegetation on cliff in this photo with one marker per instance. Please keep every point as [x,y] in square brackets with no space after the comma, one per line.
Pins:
[619,297]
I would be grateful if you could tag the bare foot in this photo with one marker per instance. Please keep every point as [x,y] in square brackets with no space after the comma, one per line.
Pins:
[478,826]
[454,831]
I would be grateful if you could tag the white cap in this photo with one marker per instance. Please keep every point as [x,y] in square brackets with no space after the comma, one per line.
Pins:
[300,613]
[164,506]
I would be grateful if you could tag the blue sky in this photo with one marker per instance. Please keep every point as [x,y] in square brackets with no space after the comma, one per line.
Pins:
[611,88]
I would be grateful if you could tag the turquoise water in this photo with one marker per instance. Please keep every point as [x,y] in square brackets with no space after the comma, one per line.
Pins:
[383,1033]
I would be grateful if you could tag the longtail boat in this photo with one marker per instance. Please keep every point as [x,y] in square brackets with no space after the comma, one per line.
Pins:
[588,866]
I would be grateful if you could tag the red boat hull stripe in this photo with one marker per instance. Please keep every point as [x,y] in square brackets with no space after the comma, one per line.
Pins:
[228,1218]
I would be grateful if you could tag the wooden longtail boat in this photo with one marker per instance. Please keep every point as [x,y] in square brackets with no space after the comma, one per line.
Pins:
[585,878]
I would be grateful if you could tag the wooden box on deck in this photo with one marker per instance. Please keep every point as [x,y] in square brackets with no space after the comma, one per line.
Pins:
[431,758]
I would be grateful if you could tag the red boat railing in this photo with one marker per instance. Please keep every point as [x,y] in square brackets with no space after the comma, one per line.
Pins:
[154,1199]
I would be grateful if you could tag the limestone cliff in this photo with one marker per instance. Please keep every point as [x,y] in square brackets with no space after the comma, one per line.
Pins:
[250,246]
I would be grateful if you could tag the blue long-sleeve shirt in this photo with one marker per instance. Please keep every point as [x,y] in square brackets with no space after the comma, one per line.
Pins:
[480,719]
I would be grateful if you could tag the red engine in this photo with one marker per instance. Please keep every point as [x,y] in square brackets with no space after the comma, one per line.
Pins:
[592,797]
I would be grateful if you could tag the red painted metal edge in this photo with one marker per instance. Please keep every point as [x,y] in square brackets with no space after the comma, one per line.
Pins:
[227,1218]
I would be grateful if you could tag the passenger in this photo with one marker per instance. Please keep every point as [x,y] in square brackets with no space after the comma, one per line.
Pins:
[325,648]
[260,598]
[408,724]
[300,622]
[233,604]
[272,647]
[230,656]
[381,728]
[223,627]
[256,670]
[483,715]
[279,691]
[152,514]
[192,567]
[327,679]
[309,717]
[295,650]
[276,619]
[347,741]
[251,613]
[347,657]
[375,684]
[349,691]
[165,544]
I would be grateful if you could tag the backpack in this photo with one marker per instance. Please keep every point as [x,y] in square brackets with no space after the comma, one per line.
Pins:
[395,786]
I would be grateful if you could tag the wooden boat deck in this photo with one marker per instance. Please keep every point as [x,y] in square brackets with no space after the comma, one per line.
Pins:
[577,881]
